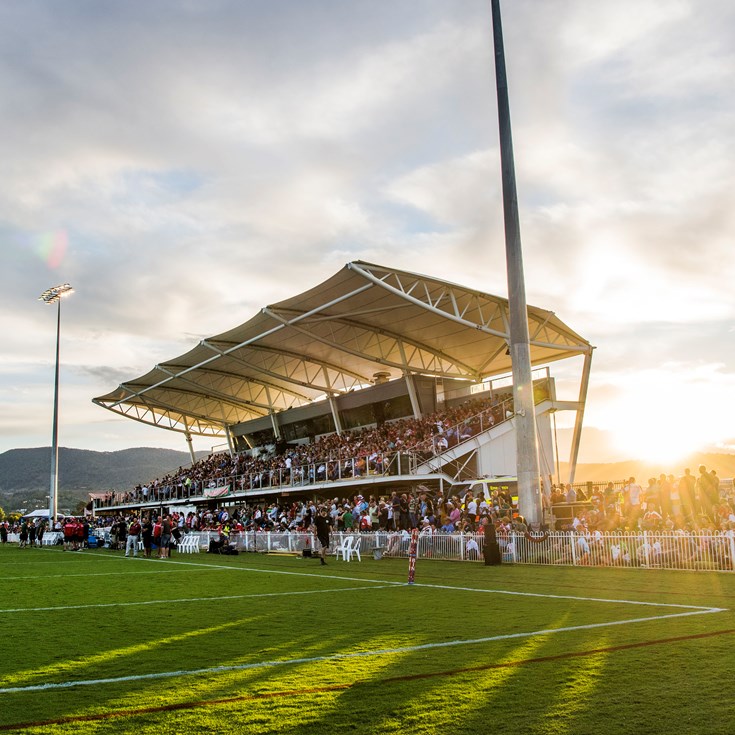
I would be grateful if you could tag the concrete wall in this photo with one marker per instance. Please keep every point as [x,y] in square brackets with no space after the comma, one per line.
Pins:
[498,457]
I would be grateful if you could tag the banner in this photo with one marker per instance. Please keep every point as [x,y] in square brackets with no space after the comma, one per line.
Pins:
[216,492]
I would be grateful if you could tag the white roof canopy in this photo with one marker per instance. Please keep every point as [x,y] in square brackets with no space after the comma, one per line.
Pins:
[332,339]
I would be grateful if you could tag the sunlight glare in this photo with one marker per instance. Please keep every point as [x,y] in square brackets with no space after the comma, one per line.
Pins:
[666,414]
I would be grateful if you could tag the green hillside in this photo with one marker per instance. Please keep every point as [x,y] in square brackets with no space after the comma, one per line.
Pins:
[25,473]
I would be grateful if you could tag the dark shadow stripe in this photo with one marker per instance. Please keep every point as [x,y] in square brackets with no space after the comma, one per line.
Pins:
[341,687]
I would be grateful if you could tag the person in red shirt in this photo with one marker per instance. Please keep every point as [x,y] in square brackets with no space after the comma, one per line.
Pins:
[157,534]
[69,529]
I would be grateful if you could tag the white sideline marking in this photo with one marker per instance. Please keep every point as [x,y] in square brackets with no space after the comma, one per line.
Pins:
[386,583]
[583,599]
[341,656]
[88,574]
[38,561]
[185,599]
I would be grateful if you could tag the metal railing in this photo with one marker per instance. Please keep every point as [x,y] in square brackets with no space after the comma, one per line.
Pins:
[643,549]
[714,551]
[466,429]
[297,476]
[324,470]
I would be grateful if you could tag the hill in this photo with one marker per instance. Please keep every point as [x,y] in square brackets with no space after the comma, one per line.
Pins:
[24,473]
[724,464]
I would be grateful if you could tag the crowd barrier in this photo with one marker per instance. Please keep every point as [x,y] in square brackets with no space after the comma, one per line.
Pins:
[643,549]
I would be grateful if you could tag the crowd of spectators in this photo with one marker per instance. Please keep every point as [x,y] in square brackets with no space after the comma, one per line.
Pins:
[667,502]
[688,503]
[351,454]
[685,522]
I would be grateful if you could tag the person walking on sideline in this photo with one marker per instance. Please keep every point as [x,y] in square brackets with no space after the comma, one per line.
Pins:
[133,536]
[165,537]
[323,524]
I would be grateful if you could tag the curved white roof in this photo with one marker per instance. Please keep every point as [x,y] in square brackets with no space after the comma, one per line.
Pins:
[334,338]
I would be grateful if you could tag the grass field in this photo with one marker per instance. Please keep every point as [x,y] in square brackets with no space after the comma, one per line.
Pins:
[94,643]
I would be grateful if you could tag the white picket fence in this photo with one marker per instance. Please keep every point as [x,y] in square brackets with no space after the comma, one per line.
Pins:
[644,549]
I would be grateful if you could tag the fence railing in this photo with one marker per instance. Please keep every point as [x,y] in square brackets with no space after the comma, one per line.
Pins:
[295,477]
[643,549]
[465,429]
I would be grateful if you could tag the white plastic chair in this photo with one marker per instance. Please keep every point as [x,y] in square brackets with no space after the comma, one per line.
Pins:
[344,549]
[355,549]
[191,543]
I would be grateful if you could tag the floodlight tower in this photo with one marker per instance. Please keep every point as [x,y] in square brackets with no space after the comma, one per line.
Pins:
[54,295]
[529,489]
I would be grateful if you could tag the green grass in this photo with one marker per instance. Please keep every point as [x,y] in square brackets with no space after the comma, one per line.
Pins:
[352,648]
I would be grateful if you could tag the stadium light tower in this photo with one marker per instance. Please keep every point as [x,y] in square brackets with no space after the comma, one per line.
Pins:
[54,295]
[529,493]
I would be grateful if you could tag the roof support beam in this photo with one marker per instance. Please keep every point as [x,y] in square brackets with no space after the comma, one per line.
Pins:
[272,413]
[577,433]
[207,392]
[424,305]
[357,353]
[464,371]
[243,379]
[134,411]
[201,393]
[279,376]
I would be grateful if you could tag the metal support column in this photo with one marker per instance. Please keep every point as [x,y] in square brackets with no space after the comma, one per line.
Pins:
[335,415]
[577,433]
[415,405]
[272,414]
[191,447]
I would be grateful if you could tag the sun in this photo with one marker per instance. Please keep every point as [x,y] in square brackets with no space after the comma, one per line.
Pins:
[663,416]
[665,445]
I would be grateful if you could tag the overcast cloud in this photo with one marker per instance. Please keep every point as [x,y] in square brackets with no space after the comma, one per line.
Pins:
[184,163]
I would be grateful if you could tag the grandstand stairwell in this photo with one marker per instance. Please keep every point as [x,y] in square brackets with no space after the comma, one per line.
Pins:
[460,462]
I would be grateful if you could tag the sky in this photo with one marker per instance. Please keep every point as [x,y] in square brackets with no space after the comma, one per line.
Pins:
[183,164]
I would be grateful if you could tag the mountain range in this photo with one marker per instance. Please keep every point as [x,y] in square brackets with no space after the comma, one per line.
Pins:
[25,473]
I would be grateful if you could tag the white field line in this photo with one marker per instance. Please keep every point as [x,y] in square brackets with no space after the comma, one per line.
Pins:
[340,656]
[385,582]
[88,574]
[25,562]
[703,608]
[185,599]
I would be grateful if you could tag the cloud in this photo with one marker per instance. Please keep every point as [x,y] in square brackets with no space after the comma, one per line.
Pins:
[202,160]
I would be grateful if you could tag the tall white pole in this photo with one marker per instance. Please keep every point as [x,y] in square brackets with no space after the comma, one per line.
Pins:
[54,492]
[529,491]
[53,296]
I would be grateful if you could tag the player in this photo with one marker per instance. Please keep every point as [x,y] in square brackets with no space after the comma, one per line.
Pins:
[323,525]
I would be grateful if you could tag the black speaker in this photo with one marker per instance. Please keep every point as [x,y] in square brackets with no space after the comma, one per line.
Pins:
[306,552]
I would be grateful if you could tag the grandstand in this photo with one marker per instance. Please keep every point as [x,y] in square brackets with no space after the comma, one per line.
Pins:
[371,346]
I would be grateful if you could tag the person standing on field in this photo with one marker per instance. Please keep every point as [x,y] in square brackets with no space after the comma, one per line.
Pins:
[323,524]
[146,531]
[133,536]
[165,537]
